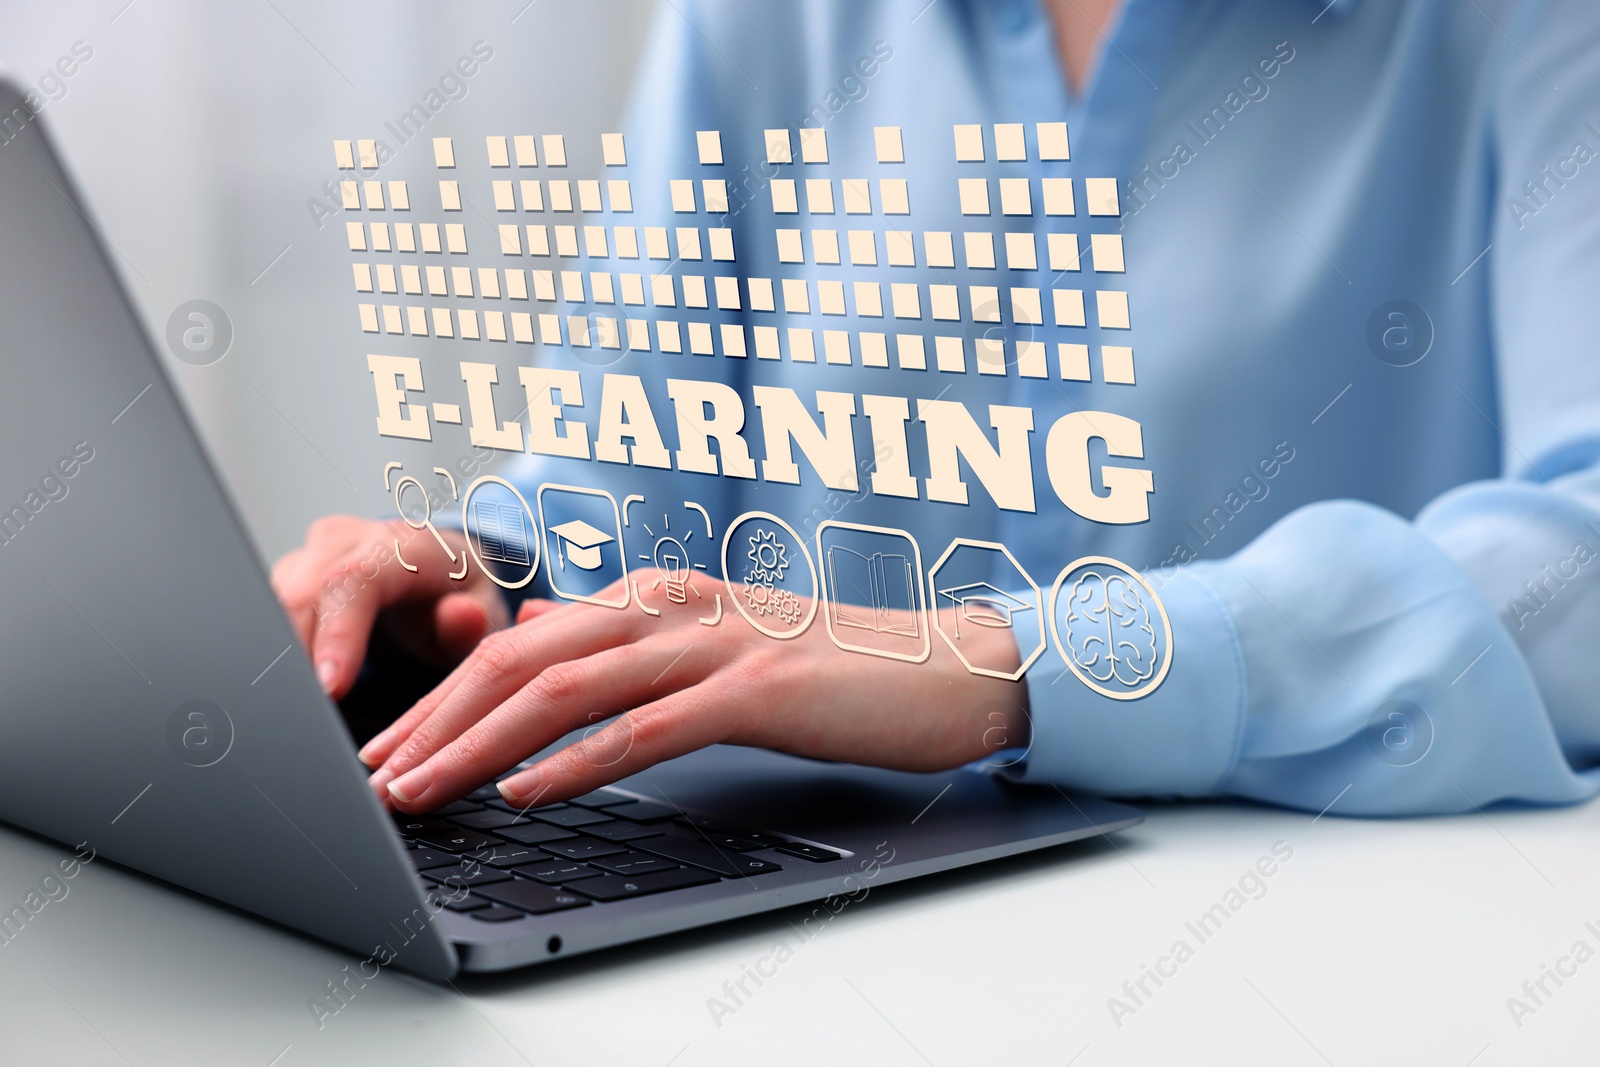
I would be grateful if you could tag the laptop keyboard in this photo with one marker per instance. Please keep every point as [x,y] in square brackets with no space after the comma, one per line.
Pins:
[496,863]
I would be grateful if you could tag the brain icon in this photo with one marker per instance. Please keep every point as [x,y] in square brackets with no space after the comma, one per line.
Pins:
[1111,629]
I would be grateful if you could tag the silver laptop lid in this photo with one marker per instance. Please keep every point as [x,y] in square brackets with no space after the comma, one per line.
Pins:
[155,705]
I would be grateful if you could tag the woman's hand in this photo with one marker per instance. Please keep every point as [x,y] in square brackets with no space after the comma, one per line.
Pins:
[347,579]
[670,685]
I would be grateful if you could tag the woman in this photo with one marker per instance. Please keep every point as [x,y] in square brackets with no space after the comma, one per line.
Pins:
[1361,241]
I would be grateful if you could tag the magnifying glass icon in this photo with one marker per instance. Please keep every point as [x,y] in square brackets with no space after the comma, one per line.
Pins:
[421,522]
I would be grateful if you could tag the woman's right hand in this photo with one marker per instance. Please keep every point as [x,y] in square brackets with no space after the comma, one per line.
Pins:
[346,580]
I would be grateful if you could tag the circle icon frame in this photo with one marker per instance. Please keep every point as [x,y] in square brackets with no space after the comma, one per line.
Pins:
[1160,676]
[537,540]
[811,569]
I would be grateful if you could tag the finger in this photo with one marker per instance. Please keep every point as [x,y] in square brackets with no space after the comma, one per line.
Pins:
[301,579]
[380,748]
[460,621]
[345,613]
[500,666]
[563,698]
[355,589]
[684,722]
[445,631]
[296,594]
[534,607]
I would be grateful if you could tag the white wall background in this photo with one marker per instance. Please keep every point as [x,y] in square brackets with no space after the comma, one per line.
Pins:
[197,132]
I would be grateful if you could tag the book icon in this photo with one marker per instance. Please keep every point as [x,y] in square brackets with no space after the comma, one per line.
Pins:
[503,532]
[876,592]
[875,598]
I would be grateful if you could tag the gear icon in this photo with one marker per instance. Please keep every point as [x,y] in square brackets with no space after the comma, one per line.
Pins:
[786,605]
[759,593]
[766,599]
[770,556]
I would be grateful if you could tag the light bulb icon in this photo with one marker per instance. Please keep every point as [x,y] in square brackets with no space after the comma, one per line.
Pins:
[672,563]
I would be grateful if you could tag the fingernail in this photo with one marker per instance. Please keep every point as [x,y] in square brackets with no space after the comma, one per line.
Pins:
[328,675]
[410,786]
[366,754]
[522,789]
[379,782]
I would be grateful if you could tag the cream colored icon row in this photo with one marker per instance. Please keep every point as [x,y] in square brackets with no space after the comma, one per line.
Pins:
[529,195]
[1009,139]
[408,237]
[369,195]
[500,150]
[719,242]
[1011,142]
[989,356]
[658,240]
[861,247]
[943,303]
[1015,196]
[525,150]
[618,191]
[939,249]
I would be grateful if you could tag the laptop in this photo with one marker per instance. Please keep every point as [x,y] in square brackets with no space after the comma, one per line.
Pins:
[159,711]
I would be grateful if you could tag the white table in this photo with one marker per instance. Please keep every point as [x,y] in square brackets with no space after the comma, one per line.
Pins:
[1377,942]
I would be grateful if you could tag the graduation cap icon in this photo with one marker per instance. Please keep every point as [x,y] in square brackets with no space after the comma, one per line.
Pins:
[983,604]
[579,543]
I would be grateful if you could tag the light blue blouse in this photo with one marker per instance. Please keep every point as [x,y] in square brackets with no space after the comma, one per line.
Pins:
[1363,264]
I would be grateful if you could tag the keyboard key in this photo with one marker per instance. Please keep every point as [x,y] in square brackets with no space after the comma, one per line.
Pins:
[465,874]
[448,901]
[700,854]
[555,872]
[710,826]
[531,896]
[617,830]
[485,793]
[735,842]
[582,848]
[641,811]
[571,817]
[814,853]
[417,825]
[506,805]
[487,819]
[533,833]
[496,914]
[423,858]
[504,855]
[620,887]
[634,863]
[599,799]
[456,807]
[457,840]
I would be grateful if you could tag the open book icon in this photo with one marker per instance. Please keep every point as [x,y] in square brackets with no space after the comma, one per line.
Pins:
[502,531]
[876,592]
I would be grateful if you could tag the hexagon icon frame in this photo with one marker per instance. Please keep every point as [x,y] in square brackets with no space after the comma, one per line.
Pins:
[1166,664]
[1038,595]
